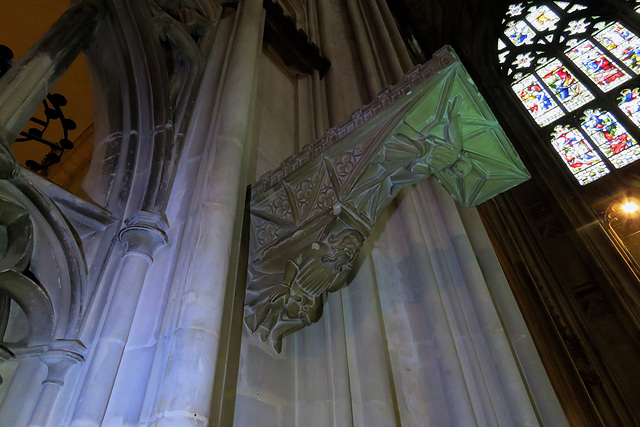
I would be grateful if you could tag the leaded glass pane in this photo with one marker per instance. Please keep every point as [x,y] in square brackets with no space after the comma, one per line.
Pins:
[519,33]
[630,104]
[597,66]
[611,137]
[577,27]
[501,44]
[537,100]
[515,10]
[562,4]
[576,8]
[622,43]
[600,25]
[542,60]
[564,85]
[542,18]
[523,60]
[503,56]
[581,159]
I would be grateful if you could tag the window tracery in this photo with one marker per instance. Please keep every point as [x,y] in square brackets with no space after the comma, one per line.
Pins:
[578,76]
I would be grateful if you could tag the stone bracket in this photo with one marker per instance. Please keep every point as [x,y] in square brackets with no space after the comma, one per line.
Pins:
[310,216]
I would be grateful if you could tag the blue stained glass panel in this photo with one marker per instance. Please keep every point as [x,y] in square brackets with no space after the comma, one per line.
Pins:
[622,43]
[537,100]
[569,90]
[596,65]
[612,138]
[583,161]
[519,33]
[515,9]
[630,104]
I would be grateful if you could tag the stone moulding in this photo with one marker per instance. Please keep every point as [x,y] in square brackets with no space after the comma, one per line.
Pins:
[310,216]
[441,59]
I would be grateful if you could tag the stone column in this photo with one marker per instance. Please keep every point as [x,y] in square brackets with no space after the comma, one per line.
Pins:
[60,358]
[396,38]
[185,396]
[143,235]
[392,59]
[369,69]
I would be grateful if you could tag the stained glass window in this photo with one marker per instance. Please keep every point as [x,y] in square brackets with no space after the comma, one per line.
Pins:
[515,10]
[612,138]
[542,18]
[581,159]
[565,66]
[630,104]
[537,100]
[523,60]
[577,27]
[519,33]
[564,85]
[622,43]
[597,66]
[576,8]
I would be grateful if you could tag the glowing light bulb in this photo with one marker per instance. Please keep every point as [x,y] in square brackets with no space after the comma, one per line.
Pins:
[630,207]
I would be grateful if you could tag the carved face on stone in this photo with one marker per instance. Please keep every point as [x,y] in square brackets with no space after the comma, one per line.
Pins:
[345,246]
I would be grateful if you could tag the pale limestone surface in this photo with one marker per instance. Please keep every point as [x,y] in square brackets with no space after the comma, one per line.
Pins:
[426,334]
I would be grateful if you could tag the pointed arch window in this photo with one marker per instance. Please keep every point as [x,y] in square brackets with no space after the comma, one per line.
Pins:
[578,76]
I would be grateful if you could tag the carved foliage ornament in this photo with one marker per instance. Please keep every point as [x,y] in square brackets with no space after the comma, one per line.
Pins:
[320,212]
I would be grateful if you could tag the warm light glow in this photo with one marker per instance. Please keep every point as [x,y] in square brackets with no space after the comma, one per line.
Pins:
[630,207]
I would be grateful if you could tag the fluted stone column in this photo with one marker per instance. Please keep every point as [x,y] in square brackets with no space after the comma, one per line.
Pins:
[186,394]
[143,235]
[60,358]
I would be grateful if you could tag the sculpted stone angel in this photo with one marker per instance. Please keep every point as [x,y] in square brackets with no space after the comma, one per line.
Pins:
[297,301]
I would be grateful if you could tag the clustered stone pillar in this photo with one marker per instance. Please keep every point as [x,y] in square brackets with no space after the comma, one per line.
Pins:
[143,235]
[186,395]
[63,355]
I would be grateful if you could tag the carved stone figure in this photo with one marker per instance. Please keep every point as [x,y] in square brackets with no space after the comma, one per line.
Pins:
[297,301]
[433,123]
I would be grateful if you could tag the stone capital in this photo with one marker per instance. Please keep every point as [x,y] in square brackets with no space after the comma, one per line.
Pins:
[60,357]
[144,233]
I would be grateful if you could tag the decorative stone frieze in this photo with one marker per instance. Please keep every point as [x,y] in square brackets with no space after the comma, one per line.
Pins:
[310,216]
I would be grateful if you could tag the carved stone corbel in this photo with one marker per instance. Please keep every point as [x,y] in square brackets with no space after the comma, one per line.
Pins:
[310,217]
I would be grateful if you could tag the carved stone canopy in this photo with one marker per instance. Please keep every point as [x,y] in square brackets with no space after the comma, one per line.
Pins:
[310,216]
